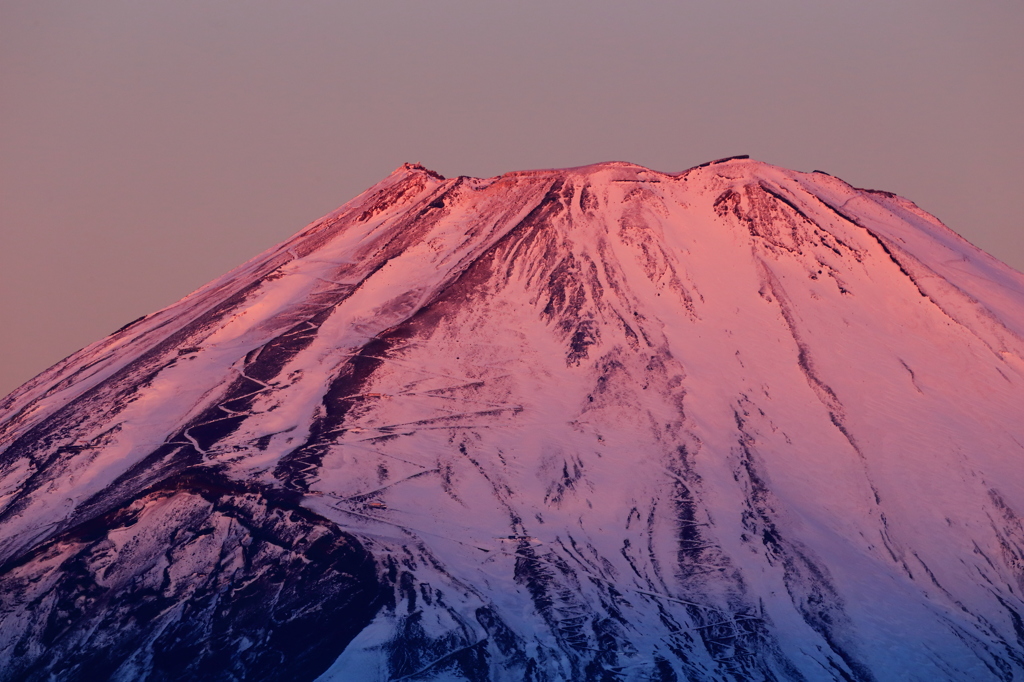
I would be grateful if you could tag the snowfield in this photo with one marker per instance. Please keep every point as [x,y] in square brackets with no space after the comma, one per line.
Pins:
[599,423]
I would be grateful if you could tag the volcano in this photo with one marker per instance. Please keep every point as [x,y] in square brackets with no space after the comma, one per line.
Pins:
[599,423]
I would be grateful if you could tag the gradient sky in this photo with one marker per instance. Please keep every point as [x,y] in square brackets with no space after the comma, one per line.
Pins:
[147,147]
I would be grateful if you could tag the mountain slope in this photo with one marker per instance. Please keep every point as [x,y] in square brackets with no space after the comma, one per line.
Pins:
[596,423]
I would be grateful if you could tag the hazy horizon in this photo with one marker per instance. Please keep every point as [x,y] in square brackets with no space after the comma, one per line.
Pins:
[146,149]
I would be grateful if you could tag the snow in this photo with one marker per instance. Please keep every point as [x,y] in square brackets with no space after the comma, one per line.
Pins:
[742,420]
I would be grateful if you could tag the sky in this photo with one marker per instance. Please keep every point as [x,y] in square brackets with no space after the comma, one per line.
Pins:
[149,147]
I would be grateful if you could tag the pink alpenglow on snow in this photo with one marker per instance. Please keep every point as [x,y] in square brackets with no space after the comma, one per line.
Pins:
[734,423]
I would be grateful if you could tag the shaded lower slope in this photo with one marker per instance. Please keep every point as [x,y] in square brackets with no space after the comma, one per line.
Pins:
[197,578]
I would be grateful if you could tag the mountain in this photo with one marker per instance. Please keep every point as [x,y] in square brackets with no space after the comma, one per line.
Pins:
[600,423]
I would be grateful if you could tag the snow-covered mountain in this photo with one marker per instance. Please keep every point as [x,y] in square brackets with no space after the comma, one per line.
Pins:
[602,423]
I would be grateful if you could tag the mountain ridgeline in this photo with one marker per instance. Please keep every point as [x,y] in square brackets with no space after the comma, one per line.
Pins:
[600,423]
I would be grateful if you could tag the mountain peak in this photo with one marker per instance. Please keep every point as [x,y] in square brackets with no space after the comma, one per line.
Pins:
[418,168]
[732,423]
